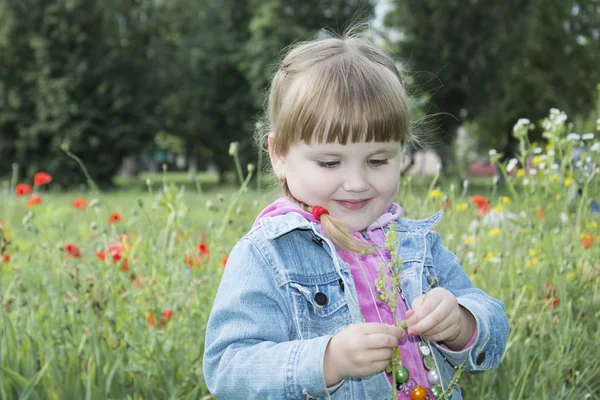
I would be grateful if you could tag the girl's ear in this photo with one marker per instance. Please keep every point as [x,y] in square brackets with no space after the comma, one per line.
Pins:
[277,161]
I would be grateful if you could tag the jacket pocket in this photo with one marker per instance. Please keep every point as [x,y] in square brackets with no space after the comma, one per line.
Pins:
[320,308]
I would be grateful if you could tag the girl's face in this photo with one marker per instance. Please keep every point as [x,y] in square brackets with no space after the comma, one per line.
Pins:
[355,182]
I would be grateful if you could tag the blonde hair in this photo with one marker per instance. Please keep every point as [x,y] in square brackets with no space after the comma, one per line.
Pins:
[342,89]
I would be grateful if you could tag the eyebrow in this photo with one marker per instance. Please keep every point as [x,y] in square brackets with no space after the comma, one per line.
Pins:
[385,151]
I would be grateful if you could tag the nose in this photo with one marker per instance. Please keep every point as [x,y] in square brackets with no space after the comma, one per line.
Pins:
[356,181]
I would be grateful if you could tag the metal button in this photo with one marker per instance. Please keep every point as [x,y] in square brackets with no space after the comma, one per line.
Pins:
[320,299]
[341,284]
[480,358]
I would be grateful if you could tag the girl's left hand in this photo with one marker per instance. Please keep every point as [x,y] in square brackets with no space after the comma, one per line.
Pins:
[438,317]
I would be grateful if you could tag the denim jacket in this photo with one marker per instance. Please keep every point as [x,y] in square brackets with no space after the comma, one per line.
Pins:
[268,330]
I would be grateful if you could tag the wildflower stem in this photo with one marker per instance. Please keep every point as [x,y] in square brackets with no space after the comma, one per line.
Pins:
[232,203]
[84,169]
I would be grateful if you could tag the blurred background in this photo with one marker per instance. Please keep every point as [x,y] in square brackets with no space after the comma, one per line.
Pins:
[135,86]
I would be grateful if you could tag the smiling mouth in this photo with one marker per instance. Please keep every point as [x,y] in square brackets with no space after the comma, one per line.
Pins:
[353,204]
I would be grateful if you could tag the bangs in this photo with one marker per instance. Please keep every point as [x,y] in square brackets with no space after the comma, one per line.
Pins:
[344,100]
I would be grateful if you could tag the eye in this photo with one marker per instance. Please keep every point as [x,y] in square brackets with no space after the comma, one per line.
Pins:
[377,163]
[328,164]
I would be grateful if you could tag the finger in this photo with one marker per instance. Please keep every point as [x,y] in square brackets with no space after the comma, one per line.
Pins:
[375,328]
[381,340]
[440,316]
[423,308]
[446,323]
[446,334]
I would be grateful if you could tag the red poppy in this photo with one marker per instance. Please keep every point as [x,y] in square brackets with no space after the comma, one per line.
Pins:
[42,178]
[540,214]
[80,203]
[188,260]
[482,203]
[100,255]
[34,201]
[115,250]
[114,218]
[587,240]
[72,250]
[166,316]
[202,248]
[5,258]
[23,189]
[125,265]
[150,319]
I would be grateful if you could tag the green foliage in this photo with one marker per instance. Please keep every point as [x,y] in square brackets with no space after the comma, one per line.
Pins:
[72,72]
[77,327]
[491,63]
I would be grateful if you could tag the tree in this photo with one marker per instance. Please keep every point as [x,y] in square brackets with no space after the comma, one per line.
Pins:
[72,73]
[494,62]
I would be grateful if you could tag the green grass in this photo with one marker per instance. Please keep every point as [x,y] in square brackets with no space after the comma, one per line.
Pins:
[79,328]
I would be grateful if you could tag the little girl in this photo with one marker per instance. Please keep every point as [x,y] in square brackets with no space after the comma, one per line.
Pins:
[297,314]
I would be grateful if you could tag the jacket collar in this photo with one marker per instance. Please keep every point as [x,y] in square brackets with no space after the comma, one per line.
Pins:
[274,227]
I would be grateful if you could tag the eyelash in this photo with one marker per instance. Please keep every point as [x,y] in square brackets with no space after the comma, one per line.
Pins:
[333,164]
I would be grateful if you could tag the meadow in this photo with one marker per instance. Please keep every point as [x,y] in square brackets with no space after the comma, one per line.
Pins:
[107,295]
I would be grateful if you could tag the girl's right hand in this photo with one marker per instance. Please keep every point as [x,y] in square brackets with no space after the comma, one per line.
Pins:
[360,350]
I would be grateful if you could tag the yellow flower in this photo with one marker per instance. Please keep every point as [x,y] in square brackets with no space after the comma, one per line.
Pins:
[592,225]
[537,160]
[499,208]
[469,240]
[488,256]
[520,173]
[570,275]
[495,232]
[554,178]
[472,277]
[549,147]
[558,196]
[461,207]
[505,200]
[533,252]
[532,262]
[436,194]
[568,181]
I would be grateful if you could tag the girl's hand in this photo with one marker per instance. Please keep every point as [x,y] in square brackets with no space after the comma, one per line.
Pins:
[360,350]
[438,317]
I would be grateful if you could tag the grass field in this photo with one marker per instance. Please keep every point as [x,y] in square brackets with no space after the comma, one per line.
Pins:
[109,298]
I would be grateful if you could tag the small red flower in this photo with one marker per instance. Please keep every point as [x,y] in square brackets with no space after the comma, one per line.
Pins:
[540,214]
[23,189]
[80,203]
[5,258]
[101,255]
[587,240]
[166,316]
[115,250]
[125,265]
[42,178]
[150,319]
[188,260]
[224,261]
[202,248]
[114,218]
[34,201]
[482,203]
[72,250]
